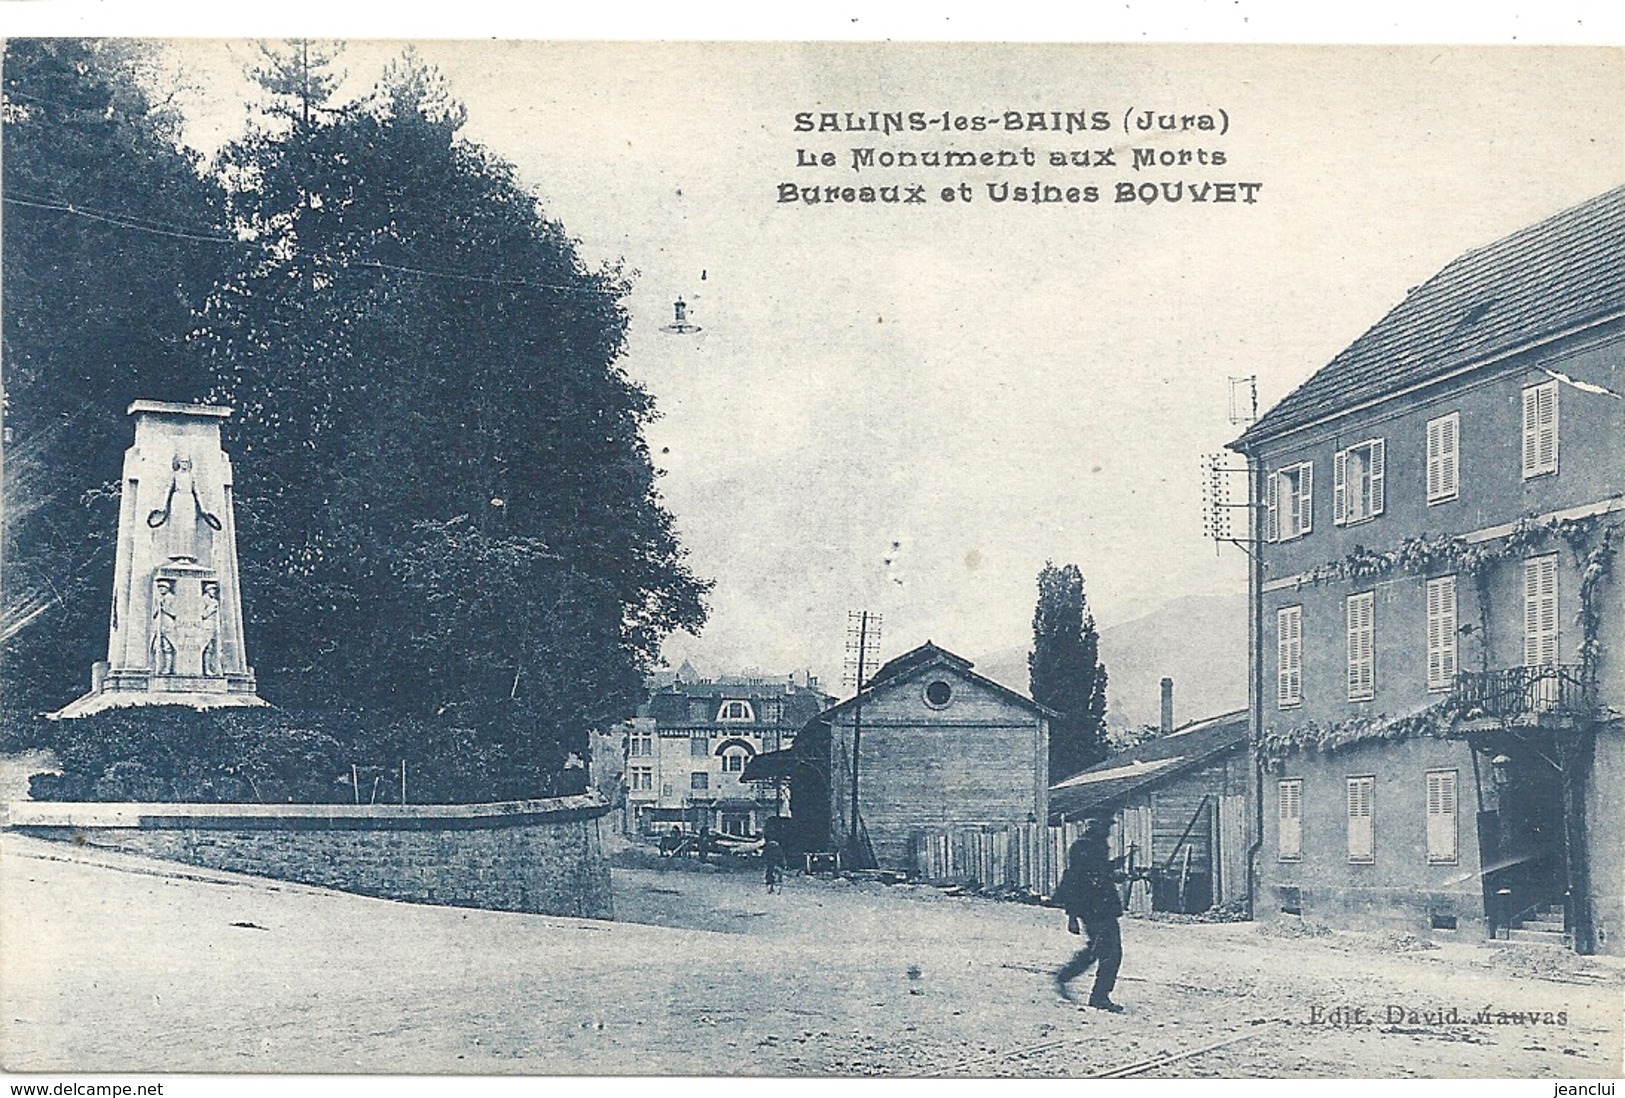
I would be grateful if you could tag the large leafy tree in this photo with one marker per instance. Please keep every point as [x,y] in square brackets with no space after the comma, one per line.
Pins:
[1065,671]
[446,504]
[111,240]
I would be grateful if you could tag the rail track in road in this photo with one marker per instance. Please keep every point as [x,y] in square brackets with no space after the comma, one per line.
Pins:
[986,1060]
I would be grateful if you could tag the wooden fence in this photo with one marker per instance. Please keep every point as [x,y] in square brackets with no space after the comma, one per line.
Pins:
[1026,856]
[1032,856]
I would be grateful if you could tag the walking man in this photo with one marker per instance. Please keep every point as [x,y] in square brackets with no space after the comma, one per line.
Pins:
[1088,893]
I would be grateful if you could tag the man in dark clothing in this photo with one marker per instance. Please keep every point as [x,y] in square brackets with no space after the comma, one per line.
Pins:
[773,865]
[1088,893]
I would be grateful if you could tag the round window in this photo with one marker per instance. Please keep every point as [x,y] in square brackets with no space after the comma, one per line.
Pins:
[938,694]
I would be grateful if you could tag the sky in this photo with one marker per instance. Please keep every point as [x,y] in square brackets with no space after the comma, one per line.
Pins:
[909,409]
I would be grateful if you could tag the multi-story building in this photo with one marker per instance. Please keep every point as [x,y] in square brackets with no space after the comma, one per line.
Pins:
[1436,678]
[687,749]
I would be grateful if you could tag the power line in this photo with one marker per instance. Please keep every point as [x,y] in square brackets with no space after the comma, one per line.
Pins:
[155,229]
[80,211]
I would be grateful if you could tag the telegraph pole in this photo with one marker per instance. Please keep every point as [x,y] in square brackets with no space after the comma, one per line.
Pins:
[862,644]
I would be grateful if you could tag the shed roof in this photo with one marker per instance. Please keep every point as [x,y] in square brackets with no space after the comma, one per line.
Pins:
[1555,276]
[1107,784]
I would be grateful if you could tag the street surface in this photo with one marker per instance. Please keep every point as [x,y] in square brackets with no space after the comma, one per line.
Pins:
[118,963]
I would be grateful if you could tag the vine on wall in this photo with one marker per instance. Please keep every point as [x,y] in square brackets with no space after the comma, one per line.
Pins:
[1593,542]
[1592,539]
[1332,736]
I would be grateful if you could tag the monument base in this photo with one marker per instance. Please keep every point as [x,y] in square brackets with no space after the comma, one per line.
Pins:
[117,689]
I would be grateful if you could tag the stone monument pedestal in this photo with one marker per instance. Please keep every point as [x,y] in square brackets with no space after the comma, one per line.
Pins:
[176,628]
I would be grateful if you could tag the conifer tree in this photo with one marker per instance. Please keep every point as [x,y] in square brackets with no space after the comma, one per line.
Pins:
[1065,672]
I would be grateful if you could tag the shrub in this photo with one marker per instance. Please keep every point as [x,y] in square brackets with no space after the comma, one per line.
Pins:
[164,753]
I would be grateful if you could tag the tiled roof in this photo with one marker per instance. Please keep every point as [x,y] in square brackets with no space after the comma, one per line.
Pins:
[1551,277]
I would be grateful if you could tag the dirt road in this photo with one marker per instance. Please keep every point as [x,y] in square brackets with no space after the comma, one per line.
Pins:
[119,963]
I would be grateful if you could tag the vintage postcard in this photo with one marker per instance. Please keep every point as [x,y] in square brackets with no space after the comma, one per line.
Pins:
[811,559]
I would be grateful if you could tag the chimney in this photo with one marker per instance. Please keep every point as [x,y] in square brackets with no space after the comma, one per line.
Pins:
[1167,706]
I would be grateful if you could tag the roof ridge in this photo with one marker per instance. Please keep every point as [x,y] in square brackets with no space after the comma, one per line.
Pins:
[1550,277]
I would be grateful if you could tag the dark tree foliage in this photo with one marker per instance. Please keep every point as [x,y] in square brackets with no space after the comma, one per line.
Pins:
[1066,673]
[109,246]
[270,755]
[446,506]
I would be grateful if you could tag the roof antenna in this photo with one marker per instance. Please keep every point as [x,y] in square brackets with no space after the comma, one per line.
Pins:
[1243,410]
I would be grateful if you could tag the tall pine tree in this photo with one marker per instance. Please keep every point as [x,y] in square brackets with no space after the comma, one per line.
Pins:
[1065,672]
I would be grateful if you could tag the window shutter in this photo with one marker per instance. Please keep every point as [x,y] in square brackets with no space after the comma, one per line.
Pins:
[1272,492]
[1340,487]
[1441,816]
[1283,656]
[1441,632]
[1434,644]
[1531,431]
[1361,647]
[1376,458]
[1540,632]
[1353,623]
[1289,838]
[1435,458]
[1306,497]
[1449,463]
[1360,830]
[1540,429]
[1548,610]
[1289,655]
[1547,452]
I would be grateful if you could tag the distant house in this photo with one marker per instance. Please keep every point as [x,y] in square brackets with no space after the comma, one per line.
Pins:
[1437,674]
[1182,804]
[688,749]
[938,746]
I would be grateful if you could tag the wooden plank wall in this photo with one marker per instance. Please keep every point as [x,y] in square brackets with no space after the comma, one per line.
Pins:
[980,762]
[1033,856]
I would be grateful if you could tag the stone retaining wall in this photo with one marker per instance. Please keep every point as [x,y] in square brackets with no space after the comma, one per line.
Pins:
[540,856]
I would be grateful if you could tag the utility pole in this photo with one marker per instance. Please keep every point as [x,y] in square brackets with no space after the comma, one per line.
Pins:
[862,645]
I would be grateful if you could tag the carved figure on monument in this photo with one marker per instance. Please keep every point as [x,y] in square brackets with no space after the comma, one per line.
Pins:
[210,618]
[183,533]
[163,628]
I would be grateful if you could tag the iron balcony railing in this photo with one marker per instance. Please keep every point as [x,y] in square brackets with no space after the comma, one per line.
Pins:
[1512,692]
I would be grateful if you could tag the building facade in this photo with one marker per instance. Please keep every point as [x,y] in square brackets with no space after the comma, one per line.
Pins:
[687,750]
[938,746]
[1436,683]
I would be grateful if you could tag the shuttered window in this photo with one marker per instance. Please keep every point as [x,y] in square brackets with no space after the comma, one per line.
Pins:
[1540,429]
[1444,461]
[1289,656]
[1441,816]
[1289,501]
[1441,615]
[1289,839]
[1540,611]
[1362,663]
[1358,475]
[1360,816]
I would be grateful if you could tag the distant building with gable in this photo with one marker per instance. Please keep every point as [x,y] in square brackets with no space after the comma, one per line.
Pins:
[687,749]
